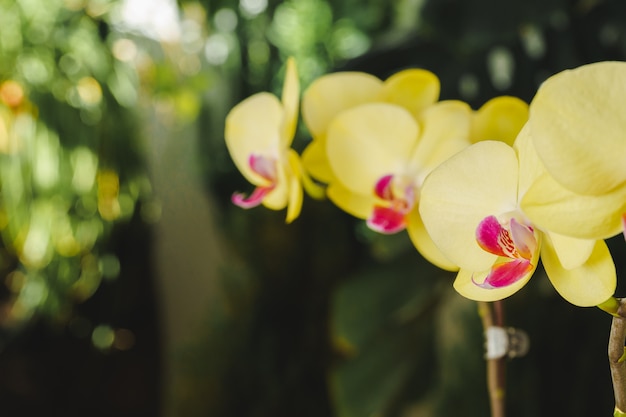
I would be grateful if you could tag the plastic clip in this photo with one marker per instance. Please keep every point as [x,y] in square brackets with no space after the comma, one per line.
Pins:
[505,341]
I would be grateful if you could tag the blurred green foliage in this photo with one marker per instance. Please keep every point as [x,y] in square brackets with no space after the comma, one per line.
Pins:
[69,162]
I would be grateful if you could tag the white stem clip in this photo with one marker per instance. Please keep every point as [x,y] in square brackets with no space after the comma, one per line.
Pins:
[505,341]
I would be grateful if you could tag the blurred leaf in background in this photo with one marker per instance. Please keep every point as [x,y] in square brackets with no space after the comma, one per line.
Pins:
[70,169]
[74,199]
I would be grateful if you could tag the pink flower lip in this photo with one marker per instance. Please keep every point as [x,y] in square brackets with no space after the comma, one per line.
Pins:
[264,167]
[386,220]
[518,244]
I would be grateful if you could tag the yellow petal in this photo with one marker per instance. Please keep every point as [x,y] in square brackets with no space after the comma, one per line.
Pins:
[475,183]
[587,285]
[278,198]
[572,252]
[358,205]
[530,165]
[368,142]
[464,285]
[315,161]
[330,94]
[253,127]
[500,118]
[425,245]
[445,130]
[294,205]
[413,89]
[312,188]
[551,207]
[578,120]
[290,101]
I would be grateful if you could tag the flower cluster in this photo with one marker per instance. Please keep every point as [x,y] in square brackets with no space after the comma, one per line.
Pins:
[487,192]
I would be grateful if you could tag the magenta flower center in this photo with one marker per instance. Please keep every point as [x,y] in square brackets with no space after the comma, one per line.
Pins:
[390,215]
[515,246]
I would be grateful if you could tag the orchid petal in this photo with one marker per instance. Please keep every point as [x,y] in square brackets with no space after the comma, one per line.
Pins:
[571,252]
[466,279]
[578,122]
[445,128]
[290,102]
[368,142]
[357,205]
[475,183]
[312,188]
[530,165]
[315,161]
[413,89]
[587,285]
[551,207]
[330,94]
[294,202]
[424,244]
[278,197]
[500,118]
[252,127]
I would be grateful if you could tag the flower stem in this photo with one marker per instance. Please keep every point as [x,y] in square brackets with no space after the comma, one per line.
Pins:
[492,315]
[617,355]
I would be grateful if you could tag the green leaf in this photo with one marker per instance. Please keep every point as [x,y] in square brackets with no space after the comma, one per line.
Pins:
[383,328]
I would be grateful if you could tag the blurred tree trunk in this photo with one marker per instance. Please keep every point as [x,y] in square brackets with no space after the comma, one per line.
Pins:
[187,253]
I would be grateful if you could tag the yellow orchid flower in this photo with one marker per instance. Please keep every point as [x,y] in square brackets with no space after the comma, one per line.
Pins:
[472,206]
[329,95]
[259,132]
[380,156]
[577,122]
[374,142]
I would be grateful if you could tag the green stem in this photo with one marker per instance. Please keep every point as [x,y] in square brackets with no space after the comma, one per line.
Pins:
[492,315]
